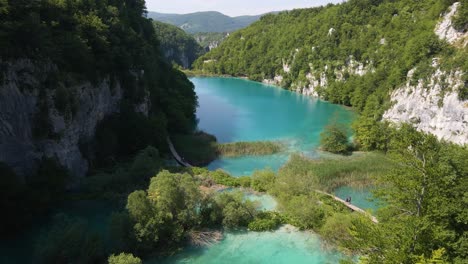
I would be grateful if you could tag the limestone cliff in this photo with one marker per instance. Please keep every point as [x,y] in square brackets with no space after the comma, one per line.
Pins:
[21,104]
[432,105]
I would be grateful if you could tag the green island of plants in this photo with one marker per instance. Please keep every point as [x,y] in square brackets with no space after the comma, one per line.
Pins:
[201,148]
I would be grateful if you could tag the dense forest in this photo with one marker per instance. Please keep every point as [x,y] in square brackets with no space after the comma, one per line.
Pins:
[210,40]
[178,47]
[86,42]
[362,49]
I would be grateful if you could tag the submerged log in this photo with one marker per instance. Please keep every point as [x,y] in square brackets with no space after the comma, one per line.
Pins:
[205,238]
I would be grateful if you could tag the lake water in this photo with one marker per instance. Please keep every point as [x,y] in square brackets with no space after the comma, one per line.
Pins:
[285,245]
[361,197]
[240,110]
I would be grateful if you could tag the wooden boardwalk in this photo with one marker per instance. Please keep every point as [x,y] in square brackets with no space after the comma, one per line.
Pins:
[351,206]
[176,155]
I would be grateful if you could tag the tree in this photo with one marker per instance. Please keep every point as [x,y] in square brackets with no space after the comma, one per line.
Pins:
[235,211]
[426,198]
[334,139]
[124,258]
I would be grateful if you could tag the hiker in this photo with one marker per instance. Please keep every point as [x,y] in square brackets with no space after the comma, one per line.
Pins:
[349,199]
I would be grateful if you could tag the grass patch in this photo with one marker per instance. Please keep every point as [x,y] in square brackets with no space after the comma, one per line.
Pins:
[257,148]
[201,148]
[303,175]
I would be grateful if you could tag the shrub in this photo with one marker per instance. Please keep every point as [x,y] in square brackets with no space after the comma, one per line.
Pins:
[334,139]
[266,221]
[263,180]
[124,258]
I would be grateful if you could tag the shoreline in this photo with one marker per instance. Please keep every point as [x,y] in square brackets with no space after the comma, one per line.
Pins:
[191,74]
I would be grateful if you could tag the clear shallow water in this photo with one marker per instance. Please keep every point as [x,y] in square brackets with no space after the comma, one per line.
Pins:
[359,196]
[265,202]
[285,245]
[240,110]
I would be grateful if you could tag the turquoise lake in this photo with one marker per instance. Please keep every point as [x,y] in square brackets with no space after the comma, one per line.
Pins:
[240,110]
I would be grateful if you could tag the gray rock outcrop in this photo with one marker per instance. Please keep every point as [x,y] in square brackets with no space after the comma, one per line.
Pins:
[20,99]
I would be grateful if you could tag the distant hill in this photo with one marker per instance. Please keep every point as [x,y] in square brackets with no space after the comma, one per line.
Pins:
[210,21]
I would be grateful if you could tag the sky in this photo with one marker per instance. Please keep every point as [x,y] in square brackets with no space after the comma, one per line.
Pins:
[231,7]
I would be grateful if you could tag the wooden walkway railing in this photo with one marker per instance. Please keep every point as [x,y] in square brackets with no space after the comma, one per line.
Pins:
[351,206]
[176,155]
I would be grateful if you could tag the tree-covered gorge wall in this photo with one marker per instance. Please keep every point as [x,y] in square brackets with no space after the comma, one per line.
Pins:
[83,83]
[177,46]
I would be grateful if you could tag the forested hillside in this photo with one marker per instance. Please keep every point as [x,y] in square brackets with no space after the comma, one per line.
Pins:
[83,85]
[355,54]
[210,40]
[209,21]
[177,46]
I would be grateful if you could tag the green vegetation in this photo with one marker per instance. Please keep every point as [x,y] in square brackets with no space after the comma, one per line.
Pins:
[263,181]
[71,43]
[335,139]
[161,218]
[389,38]
[205,21]
[200,148]
[421,183]
[94,42]
[426,197]
[257,148]
[123,258]
[460,21]
[303,175]
[178,47]
[125,178]
[266,221]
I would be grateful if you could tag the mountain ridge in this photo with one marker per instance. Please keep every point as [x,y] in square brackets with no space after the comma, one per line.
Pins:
[205,21]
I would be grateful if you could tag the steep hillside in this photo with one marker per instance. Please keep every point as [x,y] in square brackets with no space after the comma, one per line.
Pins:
[177,46]
[210,40]
[205,21]
[361,53]
[73,70]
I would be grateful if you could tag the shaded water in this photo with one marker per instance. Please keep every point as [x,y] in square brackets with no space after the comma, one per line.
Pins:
[20,249]
[241,110]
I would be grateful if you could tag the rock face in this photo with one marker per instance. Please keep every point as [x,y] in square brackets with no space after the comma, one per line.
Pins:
[178,56]
[446,31]
[432,106]
[317,77]
[20,100]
